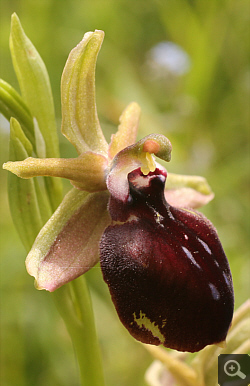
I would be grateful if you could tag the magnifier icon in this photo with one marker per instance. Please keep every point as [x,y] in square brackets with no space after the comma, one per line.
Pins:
[232,368]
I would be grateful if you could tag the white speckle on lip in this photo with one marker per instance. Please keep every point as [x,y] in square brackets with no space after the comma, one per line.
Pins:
[206,247]
[144,322]
[191,257]
[214,291]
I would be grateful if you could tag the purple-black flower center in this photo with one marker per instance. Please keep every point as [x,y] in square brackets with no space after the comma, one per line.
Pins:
[166,270]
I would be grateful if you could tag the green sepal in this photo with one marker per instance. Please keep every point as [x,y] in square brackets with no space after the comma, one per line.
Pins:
[28,205]
[68,244]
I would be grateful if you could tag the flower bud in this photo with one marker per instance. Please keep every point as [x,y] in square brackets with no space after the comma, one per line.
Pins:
[166,270]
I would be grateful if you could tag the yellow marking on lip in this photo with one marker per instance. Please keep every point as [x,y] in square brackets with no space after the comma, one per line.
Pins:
[144,321]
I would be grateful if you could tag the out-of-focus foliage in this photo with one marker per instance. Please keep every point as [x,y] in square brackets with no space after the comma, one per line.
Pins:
[203,109]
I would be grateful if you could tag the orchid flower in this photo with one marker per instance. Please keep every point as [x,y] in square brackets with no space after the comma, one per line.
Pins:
[166,270]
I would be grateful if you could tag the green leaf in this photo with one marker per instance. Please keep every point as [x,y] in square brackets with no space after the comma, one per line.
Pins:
[34,84]
[68,245]
[36,92]
[40,143]
[25,196]
[13,105]
[80,123]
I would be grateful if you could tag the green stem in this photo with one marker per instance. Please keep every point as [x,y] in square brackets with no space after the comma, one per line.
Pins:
[74,304]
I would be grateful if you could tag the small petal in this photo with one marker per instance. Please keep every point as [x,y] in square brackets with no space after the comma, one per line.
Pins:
[80,123]
[67,246]
[177,181]
[187,191]
[187,198]
[87,172]
[127,130]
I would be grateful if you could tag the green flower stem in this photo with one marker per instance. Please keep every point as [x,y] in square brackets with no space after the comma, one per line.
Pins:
[74,304]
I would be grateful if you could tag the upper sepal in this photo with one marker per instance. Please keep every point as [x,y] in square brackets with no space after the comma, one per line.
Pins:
[80,123]
[166,270]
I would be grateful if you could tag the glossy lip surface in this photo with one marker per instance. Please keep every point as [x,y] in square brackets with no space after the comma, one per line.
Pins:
[166,269]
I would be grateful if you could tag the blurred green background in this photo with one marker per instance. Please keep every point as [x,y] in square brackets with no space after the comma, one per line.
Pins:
[199,100]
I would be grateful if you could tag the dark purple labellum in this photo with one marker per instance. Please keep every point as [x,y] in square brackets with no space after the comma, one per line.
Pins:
[166,270]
